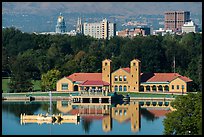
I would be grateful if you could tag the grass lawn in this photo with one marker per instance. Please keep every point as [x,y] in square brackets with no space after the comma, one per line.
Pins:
[5,82]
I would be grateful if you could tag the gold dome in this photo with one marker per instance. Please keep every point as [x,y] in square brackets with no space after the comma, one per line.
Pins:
[60,19]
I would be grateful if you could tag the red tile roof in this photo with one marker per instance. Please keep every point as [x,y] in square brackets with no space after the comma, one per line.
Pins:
[85,76]
[186,79]
[96,78]
[158,113]
[126,69]
[162,77]
[95,83]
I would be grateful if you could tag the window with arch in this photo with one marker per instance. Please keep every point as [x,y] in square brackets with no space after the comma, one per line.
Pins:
[125,88]
[124,78]
[120,88]
[116,88]
[116,78]
[120,78]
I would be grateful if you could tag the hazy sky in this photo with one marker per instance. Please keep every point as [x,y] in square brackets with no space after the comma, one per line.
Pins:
[124,8]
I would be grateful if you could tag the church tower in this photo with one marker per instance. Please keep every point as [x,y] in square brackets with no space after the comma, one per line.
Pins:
[135,66]
[79,26]
[107,123]
[106,71]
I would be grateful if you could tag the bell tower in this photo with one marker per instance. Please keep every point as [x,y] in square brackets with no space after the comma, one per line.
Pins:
[135,66]
[106,71]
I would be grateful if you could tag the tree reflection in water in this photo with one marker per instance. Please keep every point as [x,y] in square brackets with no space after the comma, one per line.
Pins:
[86,123]
[18,107]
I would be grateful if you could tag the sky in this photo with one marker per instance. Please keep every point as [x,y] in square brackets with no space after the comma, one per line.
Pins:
[123,8]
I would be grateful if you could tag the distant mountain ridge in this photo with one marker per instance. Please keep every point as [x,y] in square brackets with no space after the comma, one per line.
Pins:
[122,8]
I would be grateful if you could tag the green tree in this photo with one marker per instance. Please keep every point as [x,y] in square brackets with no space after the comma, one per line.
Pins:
[49,79]
[187,119]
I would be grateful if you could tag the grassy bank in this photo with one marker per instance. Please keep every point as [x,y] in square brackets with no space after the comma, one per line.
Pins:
[159,95]
[69,93]
[35,94]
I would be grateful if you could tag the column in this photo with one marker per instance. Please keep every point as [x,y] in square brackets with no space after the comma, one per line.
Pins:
[90,100]
[145,89]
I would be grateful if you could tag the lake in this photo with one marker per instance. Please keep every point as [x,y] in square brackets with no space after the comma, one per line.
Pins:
[96,119]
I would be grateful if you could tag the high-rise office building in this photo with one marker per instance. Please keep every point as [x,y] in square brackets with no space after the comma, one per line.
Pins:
[60,27]
[174,20]
[101,30]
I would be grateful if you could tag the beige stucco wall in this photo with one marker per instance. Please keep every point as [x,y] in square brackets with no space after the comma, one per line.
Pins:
[120,72]
[65,80]
[178,82]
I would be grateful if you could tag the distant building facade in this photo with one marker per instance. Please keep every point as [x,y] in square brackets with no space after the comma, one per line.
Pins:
[189,27]
[101,30]
[60,27]
[174,20]
[134,32]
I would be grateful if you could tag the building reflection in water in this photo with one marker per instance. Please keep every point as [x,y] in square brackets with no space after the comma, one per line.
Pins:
[119,112]
[130,111]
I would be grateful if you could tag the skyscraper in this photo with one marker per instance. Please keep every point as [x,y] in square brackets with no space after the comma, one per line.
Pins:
[174,20]
[60,27]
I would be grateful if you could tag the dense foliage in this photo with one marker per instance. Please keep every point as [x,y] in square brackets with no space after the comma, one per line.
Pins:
[187,119]
[49,80]
[27,56]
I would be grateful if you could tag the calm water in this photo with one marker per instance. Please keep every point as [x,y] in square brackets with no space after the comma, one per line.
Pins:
[126,119]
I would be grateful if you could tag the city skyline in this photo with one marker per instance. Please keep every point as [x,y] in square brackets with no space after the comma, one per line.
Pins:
[23,15]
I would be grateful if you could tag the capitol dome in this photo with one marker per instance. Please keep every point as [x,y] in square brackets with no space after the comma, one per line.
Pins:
[60,19]
[60,27]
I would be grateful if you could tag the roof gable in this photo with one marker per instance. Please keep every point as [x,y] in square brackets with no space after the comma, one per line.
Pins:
[184,78]
[127,70]
[85,76]
[66,78]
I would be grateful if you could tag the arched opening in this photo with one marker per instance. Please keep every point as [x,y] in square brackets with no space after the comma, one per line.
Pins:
[120,88]
[148,88]
[125,88]
[154,88]
[160,88]
[166,88]
[76,88]
[141,88]
[116,88]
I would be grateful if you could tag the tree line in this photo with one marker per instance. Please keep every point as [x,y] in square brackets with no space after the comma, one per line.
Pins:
[28,56]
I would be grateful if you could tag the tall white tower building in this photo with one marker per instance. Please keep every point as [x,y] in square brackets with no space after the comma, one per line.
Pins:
[101,30]
[60,27]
